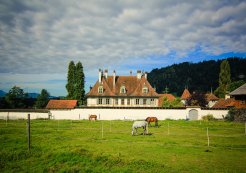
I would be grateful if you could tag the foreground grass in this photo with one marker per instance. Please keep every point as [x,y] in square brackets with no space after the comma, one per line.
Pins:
[107,146]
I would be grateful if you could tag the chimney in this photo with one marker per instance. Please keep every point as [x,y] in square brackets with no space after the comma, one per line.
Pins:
[114,78]
[100,76]
[139,75]
[106,73]
[145,75]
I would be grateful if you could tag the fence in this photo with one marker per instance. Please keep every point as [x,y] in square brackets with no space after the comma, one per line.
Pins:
[191,134]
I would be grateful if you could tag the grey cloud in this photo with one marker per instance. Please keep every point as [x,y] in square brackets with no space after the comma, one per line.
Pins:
[46,36]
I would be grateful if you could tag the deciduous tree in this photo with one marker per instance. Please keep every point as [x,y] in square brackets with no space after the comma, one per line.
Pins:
[16,97]
[42,99]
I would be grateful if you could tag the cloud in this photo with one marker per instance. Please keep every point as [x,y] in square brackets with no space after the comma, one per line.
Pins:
[41,38]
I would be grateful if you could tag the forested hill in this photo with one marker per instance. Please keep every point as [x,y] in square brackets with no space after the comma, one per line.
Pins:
[196,76]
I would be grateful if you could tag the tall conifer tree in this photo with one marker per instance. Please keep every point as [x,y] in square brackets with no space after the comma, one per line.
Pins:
[71,86]
[224,79]
[80,81]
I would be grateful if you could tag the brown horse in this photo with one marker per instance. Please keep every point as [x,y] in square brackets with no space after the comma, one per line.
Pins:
[152,119]
[92,117]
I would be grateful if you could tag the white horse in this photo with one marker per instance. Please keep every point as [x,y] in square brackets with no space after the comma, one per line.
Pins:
[139,124]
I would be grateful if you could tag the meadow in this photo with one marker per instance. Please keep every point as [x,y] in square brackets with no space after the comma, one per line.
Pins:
[108,146]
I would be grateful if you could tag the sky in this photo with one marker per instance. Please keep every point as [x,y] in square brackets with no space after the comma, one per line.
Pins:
[38,39]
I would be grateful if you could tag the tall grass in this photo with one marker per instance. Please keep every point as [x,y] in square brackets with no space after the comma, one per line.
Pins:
[78,146]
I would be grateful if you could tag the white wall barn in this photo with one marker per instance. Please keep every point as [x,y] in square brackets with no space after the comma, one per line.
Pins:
[193,113]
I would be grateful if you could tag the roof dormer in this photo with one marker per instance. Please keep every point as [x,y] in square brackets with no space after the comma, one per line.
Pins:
[100,89]
[145,89]
[122,89]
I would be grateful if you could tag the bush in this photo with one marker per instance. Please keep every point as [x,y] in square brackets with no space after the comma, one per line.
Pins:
[238,115]
[208,117]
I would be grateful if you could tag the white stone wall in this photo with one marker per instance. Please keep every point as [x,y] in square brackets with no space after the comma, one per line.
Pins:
[116,114]
[22,115]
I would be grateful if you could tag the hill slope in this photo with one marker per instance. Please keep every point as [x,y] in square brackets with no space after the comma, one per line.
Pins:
[197,76]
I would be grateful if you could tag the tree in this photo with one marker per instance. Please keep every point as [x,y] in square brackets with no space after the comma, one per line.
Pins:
[16,97]
[235,85]
[71,85]
[171,104]
[197,99]
[80,82]
[224,79]
[42,99]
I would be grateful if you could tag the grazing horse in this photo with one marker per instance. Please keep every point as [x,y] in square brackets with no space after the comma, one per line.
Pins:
[152,119]
[139,124]
[92,117]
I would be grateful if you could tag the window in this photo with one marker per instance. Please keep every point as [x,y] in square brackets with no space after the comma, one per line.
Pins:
[137,101]
[100,89]
[122,101]
[116,101]
[100,101]
[152,101]
[144,101]
[122,89]
[145,90]
[128,101]
[107,101]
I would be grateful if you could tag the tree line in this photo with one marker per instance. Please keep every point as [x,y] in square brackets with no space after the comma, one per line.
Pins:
[197,77]
[198,98]
[17,98]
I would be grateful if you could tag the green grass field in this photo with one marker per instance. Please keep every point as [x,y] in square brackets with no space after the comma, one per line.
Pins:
[82,146]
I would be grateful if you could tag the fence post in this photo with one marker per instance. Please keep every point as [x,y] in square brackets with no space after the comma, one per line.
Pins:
[110,126]
[28,132]
[245,128]
[208,136]
[102,129]
[7,118]
[168,128]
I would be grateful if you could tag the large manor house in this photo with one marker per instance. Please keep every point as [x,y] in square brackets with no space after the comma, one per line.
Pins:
[125,91]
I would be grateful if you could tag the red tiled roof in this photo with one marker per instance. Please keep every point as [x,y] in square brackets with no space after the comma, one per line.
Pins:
[61,104]
[231,102]
[186,94]
[211,97]
[169,97]
[132,84]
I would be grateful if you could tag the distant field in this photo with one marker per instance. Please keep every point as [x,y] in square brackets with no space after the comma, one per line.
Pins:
[107,146]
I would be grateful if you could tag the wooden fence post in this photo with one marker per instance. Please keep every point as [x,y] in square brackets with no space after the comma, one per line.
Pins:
[168,128]
[28,132]
[102,129]
[208,136]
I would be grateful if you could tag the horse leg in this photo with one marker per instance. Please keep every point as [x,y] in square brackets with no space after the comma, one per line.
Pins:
[133,131]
